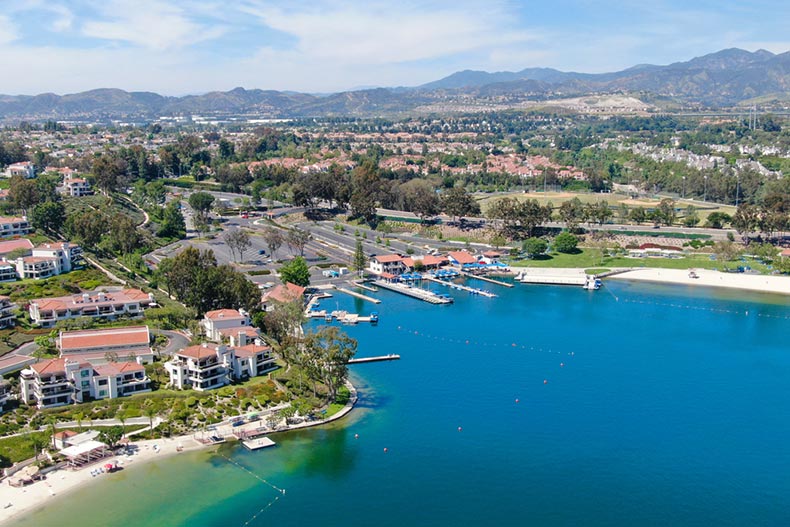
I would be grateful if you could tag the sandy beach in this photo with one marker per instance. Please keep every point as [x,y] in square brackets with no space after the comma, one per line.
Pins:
[23,499]
[707,278]
[59,482]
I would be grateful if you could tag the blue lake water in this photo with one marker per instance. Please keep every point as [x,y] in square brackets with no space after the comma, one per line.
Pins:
[637,405]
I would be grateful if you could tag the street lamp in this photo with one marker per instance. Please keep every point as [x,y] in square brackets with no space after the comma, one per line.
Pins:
[705,195]
[684,187]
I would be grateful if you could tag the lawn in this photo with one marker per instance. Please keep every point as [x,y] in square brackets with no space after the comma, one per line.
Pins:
[591,258]
[61,285]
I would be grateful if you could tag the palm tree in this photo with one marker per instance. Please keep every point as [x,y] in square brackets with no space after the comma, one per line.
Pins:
[150,413]
[121,416]
[79,416]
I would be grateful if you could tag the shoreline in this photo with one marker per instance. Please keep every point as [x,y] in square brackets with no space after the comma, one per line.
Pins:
[708,278]
[61,482]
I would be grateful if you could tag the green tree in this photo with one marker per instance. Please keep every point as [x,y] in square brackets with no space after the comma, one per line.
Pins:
[107,171]
[691,218]
[274,239]
[726,252]
[366,186]
[49,216]
[565,242]
[457,203]
[172,225]
[330,350]
[360,261]
[535,247]
[572,213]
[296,272]
[201,203]
[111,436]
[717,220]
[297,239]
[23,193]
[665,213]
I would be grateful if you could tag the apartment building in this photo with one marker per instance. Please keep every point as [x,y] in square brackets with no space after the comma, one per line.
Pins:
[7,314]
[127,344]
[46,312]
[12,226]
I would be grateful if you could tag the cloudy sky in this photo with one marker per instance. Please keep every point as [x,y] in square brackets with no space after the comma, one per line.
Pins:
[177,47]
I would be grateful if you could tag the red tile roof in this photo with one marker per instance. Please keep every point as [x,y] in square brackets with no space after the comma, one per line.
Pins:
[284,293]
[250,350]
[70,341]
[462,257]
[199,352]
[387,258]
[12,245]
[224,314]
[118,368]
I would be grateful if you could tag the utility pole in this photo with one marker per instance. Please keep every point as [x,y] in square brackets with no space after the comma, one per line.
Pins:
[705,194]
[737,188]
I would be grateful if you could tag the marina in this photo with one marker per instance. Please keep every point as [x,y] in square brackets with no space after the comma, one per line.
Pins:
[486,279]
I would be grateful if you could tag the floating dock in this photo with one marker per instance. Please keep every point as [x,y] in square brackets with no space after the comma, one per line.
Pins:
[582,280]
[460,287]
[364,286]
[343,316]
[257,444]
[486,279]
[415,292]
[375,359]
[359,295]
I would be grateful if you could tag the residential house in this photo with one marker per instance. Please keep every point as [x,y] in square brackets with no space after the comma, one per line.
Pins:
[26,169]
[57,382]
[7,315]
[7,272]
[46,312]
[282,294]
[49,259]
[13,226]
[210,366]
[127,344]
[224,323]
[76,187]
[387,263]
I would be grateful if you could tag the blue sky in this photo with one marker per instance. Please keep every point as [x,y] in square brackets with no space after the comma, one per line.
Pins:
[192,46]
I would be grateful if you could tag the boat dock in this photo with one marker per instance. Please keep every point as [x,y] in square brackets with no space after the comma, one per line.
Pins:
[257,444]
[486,279]
[381,358]
[359,295]
[468,289]
[343,317]
[577,279]
[363,285]
[415,292]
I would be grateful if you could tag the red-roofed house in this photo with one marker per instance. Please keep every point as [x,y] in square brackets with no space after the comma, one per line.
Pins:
[283,294]
[209,366]
[13,226]
[226,323]
[9,246]
[127,344]
[57,382]
[46,312]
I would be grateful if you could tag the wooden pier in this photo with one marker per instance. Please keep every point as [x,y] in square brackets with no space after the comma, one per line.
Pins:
[414,292]
[364,286]
[578,280]
[359,295]
[374,359]
[468,289]
[485,279]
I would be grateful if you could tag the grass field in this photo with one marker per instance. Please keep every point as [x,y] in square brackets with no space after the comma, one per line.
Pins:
[614,201]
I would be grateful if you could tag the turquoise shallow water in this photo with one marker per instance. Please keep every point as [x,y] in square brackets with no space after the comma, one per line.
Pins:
[670,409]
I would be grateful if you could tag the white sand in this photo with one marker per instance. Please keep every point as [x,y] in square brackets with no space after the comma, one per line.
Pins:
[24,499]
[748,282]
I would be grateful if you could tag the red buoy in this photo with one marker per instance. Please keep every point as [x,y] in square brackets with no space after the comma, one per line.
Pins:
[385,450]
[545,381]
[459,428]
[516,400]
[356,436]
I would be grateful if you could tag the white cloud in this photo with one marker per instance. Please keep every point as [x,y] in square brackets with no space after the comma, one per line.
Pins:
[8,32]
[151,24]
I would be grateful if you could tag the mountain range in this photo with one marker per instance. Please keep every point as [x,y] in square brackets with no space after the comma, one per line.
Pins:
[723,79]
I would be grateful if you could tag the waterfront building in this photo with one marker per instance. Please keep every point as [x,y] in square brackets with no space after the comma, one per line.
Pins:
[225,323]
[282,294]
[387,263]
[127,344]
[209,366]
[7,315]
[58,382]
[12,226]
[46,312]
[461,258]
